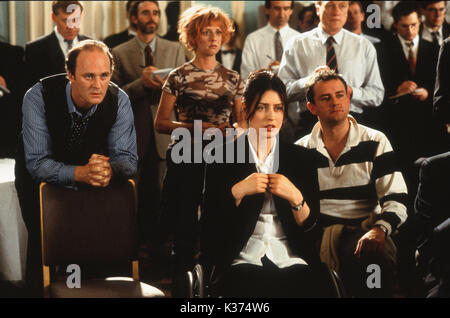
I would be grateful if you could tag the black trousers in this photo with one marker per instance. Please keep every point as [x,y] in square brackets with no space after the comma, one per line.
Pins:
[181,198]
[354,270]
[252,281]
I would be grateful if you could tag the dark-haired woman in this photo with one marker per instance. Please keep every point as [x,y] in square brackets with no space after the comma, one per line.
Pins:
[258,214]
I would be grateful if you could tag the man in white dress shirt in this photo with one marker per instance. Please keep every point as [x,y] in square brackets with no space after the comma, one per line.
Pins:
[330,46]
[264,47]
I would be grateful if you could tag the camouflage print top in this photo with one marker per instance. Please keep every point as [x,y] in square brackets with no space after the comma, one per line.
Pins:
[206,95]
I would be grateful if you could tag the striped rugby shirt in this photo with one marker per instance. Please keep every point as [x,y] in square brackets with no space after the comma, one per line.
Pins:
[364,179]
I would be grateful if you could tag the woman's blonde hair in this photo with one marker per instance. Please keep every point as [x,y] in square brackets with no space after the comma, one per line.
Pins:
[194,19]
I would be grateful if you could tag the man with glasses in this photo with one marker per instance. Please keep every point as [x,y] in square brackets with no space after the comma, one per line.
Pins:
[434,29]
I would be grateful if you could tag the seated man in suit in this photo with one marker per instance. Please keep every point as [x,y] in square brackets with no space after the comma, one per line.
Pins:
[230,55]
[11,72]
[136,62]
[45,56]
[433,221]
[116,39]
[90,141]
[434,29]
[361,190]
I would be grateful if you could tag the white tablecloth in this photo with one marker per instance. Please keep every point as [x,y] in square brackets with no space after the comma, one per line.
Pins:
[13,233]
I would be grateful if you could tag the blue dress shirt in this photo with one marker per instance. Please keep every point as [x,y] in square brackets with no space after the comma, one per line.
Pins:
[37,140]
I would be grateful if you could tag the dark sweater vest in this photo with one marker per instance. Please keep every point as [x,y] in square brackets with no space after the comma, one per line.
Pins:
[59,125]
[95,139]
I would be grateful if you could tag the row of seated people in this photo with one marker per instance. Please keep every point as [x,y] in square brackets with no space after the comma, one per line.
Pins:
[143,87]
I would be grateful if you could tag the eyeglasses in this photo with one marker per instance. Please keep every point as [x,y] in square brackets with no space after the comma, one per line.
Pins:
[437,11]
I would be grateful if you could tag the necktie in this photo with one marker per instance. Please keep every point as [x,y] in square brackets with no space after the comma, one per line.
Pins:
[331,55]
[69,44]
[78,129]
[411,58]
[435,38]
[148,56]
[278,47]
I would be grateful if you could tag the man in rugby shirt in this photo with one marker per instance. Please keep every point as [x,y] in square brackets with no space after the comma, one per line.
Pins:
[362,193]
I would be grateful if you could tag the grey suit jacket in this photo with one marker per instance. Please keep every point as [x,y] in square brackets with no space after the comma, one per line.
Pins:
[128,59]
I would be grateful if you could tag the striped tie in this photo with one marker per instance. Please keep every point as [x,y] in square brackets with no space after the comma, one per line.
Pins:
[331,55]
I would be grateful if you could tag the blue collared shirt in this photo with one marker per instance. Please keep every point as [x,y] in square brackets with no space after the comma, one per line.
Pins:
[37,140]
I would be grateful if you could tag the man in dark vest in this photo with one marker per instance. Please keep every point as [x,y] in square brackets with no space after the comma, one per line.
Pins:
[78,130]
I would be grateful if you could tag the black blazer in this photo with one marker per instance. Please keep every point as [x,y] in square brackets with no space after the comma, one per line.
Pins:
[114,40]
[445,30]
[237,60]
[43,57]
[441,101]
[227,228]
[425,68]
[11,69]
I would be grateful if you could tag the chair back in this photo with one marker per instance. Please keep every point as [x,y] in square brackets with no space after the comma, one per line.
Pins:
[88,225]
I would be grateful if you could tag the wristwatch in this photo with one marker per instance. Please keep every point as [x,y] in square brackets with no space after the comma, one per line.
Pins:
[383,228]
[298,207]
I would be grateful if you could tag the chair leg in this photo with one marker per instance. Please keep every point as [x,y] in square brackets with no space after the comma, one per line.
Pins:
[46,280]
[135,270]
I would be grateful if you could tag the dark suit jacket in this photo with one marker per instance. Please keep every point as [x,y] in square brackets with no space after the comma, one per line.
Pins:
[445,29]
[227,228]
[237,60]
[11,69]
[118,38]
[432,207]
[441,100]
[425,67]
[44,57]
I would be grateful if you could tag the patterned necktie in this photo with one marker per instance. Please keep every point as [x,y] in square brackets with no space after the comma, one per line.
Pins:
[278,47]
[148,56]
[331,55]
[78,129]
[411,58]
[435,38]
[69,44]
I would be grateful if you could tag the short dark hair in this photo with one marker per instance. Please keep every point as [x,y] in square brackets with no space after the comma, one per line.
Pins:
[358,3]
[403,9]
[322,76]
[267,4]
[135,6]
[86,45]
[56,5]
[129,3]
[305,9]
[425,4]
[258,83]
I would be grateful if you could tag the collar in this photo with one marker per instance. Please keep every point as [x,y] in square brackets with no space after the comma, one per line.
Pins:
[71,106]
[415,41]
[152,44]
[428,30]
[265,166]
[131,32]
[316,140]
[61,38]
[283,31]
[323,36]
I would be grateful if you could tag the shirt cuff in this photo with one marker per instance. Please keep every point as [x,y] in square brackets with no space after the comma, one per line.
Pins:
[66,175]
[385,224]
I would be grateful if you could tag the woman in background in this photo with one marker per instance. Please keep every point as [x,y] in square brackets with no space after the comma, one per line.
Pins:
[200,90]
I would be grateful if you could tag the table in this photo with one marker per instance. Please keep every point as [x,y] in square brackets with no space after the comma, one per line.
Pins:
[13,233]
